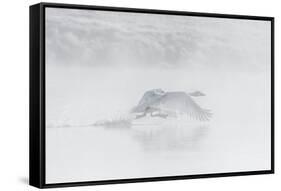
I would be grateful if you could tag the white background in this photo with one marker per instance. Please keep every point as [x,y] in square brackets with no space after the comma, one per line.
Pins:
[14,74]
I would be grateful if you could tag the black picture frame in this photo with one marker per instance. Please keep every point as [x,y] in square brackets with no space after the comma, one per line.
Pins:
[37,95]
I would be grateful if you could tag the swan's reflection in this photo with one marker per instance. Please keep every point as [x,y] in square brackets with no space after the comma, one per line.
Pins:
[171,137]
[164,136]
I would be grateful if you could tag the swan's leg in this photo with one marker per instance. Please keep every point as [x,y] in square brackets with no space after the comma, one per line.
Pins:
[140,116]
[162,115]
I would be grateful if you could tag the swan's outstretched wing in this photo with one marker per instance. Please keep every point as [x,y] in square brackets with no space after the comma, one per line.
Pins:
[143,105]
[147,100]
[182,103]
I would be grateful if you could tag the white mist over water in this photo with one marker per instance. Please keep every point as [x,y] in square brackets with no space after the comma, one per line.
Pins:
[235,139]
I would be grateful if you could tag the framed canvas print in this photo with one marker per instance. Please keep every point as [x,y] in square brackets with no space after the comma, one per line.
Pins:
[121,95]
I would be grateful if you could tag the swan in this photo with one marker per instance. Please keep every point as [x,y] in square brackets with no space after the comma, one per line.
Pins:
[159,103]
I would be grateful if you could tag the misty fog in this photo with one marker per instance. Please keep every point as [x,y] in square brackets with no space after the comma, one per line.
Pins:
[98,66]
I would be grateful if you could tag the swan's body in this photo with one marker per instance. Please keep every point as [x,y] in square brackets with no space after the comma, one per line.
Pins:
[158,103]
